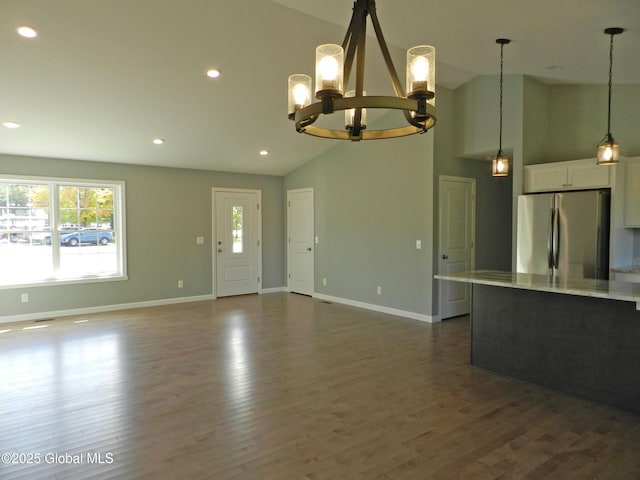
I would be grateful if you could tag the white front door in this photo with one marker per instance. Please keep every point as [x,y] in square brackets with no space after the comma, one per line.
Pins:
[456,243]
[300,257]
[236,242]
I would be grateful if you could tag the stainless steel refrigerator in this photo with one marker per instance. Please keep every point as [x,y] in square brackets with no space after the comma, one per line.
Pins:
[564,234]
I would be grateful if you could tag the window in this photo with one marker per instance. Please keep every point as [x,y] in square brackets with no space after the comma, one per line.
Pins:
[56,230]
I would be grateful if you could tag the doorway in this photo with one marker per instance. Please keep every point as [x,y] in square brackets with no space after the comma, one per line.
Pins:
[300,255]
[456,244]
[237,250]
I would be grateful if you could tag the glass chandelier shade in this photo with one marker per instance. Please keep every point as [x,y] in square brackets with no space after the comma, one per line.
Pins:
[350,115]
[607,151]
[329,70]
[421,73]
[299,92]
[333,71]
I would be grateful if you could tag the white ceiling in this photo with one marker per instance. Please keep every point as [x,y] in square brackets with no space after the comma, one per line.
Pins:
[103,78]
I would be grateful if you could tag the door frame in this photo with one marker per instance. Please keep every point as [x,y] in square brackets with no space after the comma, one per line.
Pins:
[288,244]
[214,257]
[472,262]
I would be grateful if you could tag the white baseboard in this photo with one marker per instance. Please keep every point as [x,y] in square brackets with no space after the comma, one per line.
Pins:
[99,309]
[273,290]
[169,301]
[379,308]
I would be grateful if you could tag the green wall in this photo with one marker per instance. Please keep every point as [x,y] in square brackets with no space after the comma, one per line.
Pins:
[578,120]
[373,200]
[535,122]
[166,209]
[477,120]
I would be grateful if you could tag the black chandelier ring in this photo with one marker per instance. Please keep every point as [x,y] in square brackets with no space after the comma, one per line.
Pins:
[420,114]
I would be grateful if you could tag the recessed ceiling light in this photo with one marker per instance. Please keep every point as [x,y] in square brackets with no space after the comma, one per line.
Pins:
[264,153]
[11,124]
[27,32]
[158,141]
[213,73]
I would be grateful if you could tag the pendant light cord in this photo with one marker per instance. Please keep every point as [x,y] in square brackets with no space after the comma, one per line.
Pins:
[610,82]
[501,58]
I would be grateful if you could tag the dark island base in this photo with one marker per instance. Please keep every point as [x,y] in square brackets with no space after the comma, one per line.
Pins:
[585,346]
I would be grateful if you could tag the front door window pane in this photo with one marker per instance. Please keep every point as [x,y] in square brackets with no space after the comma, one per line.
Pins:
[237,229]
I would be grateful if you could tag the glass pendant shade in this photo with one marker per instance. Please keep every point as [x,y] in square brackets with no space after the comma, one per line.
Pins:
[500,166]
[329,70]
[607,151]
[299,92]
[349,115]
[421,72]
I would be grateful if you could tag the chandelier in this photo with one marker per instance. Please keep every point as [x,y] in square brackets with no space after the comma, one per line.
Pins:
[333,71]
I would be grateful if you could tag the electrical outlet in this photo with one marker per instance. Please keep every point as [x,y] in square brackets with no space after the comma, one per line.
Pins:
[418,244]
[379,290]
[24,297]
[180,284]
[324,282]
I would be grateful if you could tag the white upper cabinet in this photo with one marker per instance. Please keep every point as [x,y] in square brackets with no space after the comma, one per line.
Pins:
[573,175]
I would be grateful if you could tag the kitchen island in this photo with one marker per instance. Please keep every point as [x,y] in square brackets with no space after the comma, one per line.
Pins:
[580,336]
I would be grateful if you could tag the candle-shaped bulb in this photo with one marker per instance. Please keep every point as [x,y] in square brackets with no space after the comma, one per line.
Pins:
[300,94]
[420,69]
[329,69]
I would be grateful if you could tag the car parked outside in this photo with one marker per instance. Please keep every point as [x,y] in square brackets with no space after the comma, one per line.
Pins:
[43,237]
[89,236]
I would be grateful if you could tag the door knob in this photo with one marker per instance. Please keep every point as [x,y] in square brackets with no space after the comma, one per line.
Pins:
[445,256]
[308,249]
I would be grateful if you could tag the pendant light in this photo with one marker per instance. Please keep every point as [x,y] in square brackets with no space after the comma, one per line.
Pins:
[500,164]
[607,153]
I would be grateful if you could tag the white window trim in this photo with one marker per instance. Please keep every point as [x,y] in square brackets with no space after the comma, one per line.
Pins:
[119,205]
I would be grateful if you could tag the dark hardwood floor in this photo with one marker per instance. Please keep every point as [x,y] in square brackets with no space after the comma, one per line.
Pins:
[283,386]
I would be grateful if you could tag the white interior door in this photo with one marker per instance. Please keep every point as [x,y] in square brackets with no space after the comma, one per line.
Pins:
[300,255]
[456,243]
[236,242]
[300,244]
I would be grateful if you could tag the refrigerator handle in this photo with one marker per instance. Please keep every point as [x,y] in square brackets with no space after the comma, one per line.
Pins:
[556,240]
[551,236]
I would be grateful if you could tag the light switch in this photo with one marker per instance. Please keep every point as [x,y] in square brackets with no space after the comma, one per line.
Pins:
[418,244]
[199,240]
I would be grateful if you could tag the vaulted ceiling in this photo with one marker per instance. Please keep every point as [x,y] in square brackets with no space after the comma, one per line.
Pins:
[104,78]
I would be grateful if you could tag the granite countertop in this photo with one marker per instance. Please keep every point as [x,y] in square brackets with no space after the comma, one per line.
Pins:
[632,269]
[586,287]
